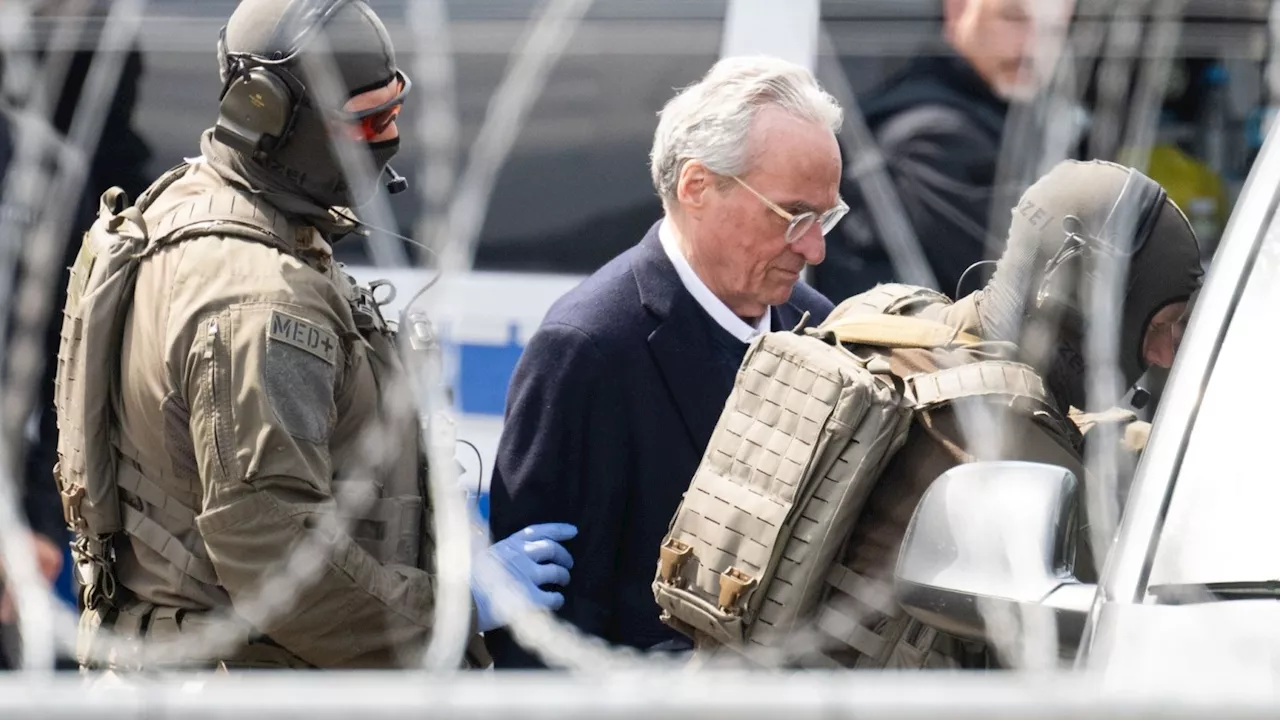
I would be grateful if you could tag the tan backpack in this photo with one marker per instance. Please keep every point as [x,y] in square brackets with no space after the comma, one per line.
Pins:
[99,296]
[808,428]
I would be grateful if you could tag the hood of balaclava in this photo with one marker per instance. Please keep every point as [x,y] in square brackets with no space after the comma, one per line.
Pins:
[364,60]
[1068,209]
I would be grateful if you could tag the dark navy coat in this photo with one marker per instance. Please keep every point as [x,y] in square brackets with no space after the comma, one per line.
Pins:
[609,410]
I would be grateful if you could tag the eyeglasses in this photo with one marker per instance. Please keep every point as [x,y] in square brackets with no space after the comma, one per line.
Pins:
[799,224]
[369,124]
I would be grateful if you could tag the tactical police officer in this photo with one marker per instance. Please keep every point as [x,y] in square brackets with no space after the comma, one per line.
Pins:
[922,385]
[1078,215]
[256,387]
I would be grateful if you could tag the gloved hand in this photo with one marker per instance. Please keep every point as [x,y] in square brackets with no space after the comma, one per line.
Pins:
[532,557]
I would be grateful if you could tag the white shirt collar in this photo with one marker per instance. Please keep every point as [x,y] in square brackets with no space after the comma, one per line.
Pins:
[713,305]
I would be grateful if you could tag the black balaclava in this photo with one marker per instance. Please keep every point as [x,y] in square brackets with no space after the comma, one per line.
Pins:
[301,173]
[1058,224]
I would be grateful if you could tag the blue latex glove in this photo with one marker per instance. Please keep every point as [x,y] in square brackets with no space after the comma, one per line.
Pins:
[532,557]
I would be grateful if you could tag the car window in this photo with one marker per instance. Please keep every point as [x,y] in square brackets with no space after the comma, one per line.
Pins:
[1220,527]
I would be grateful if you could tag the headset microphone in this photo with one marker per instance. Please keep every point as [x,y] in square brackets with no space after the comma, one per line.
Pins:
[397,183]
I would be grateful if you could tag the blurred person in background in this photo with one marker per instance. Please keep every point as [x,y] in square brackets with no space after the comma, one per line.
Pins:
[616,394]
[119,159]
[939,124]
[258,399]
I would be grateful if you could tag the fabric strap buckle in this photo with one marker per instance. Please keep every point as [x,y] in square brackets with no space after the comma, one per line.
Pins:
[671,556]
[733,585]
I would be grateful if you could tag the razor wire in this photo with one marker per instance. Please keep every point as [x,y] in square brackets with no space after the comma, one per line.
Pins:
[1115,77]
[439,124]
[559,643]
[453,600]
[438,129]
[531,64]
[43,248]
[385,223]
[1273,58]
[279,594]
[1037,134]
[281,591]
[1025,636]
[868,169]
[1103,460]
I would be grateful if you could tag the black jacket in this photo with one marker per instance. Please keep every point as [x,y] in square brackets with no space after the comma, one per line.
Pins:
[609,411]
[939,127]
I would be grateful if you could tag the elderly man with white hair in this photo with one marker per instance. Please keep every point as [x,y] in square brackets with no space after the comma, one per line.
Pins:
[616,395]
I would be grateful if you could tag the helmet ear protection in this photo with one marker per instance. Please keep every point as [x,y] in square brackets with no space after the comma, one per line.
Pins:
[258,106]
[256,111]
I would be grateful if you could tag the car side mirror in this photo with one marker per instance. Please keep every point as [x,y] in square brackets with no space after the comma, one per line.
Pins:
[992,540]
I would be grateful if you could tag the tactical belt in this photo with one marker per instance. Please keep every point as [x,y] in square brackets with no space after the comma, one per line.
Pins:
[136,623]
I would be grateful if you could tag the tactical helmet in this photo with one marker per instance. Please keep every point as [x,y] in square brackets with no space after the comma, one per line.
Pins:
[1078,215]
[270,109]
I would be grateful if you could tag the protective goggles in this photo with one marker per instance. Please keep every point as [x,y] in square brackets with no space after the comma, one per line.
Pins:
[369,124]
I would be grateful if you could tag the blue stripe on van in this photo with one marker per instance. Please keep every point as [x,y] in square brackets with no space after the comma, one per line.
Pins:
[484,372]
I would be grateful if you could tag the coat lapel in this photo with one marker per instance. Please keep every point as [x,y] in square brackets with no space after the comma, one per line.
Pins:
[680,344]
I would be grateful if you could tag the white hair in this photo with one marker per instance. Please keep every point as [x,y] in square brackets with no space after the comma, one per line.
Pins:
[710,120]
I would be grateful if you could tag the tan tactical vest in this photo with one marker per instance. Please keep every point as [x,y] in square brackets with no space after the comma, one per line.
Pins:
[103,489]
[754,551]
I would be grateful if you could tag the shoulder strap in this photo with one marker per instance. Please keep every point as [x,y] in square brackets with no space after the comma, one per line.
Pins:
[986,378]
[159,186]
[890,299]
[225,211]
[234,212]
[896,331]
[1011,383]
[114,203]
